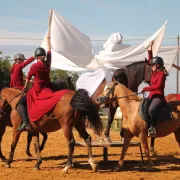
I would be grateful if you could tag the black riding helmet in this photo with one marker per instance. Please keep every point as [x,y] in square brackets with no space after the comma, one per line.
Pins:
[40,52]
[157,60]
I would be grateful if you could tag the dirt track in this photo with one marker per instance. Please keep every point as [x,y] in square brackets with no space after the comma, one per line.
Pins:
[166,165]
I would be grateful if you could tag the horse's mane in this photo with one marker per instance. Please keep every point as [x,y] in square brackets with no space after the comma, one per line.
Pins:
[130,93]
[134,70]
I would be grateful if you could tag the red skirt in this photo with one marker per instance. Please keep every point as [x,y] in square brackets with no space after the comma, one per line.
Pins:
[41,103]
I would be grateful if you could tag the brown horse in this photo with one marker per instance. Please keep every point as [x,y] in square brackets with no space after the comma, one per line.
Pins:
[169,97]
[69,112]
[134,125]
[131,76]
[57,85]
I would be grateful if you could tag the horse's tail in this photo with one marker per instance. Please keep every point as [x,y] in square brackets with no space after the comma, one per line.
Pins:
[82,102]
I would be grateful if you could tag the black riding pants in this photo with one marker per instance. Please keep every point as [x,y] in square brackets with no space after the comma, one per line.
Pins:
[156,103]
[22,108]
[22,101]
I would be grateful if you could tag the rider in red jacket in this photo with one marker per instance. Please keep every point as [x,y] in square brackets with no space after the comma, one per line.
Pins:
[156,90]
[16,70]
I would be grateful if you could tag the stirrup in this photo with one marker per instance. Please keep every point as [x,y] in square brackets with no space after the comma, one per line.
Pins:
[151,132]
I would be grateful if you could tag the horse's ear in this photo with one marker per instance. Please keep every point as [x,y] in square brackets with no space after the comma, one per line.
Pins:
[69,78]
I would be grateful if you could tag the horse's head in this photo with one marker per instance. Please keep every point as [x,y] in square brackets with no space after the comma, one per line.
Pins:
[70,83]
[148,72]
[108,94]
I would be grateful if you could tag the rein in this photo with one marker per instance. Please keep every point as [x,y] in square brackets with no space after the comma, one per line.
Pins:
[104,98]
[119,97]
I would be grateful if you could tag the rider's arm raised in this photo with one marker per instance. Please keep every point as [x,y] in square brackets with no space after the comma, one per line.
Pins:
[177,67]
[150,53]
[48,49]
[28,61]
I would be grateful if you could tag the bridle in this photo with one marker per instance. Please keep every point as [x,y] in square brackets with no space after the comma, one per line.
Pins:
[147,72]
[105,98]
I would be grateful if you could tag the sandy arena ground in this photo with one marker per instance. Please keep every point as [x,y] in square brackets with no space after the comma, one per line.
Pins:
[166,165]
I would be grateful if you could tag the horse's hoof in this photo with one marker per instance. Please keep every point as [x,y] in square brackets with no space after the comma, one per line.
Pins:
[101,139]
[108,140]
[153,154]
[7,166]
[64,171]
[36,168]
[95,167]
[29,154]
[116,169]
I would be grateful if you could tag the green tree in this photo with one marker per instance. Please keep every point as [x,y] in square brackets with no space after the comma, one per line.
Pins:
[5,66]
[61,74]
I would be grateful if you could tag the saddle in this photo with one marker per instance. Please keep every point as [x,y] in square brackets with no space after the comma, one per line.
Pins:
[163,114]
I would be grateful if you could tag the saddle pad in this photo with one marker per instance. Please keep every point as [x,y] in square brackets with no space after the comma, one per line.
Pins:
[162,115]
[143,109]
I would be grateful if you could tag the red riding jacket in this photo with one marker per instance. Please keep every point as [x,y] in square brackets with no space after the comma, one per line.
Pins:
[17,74]
[40,98]
[157,84]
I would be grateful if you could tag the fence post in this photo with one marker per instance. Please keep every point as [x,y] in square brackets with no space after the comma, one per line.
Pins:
[177,72]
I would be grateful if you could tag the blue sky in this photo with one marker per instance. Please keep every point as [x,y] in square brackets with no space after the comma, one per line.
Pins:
[96,18]
[93,17]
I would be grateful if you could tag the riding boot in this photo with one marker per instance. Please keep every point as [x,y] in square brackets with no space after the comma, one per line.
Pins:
[152,130]
[23,113]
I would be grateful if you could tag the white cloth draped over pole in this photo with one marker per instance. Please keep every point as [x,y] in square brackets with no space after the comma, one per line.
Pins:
[72,50]
[127,54]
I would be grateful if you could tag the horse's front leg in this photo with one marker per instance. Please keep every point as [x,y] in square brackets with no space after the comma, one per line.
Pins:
[127,139]
[16,136]
[111,114]
[153,152]
[37,150]
[144,141]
